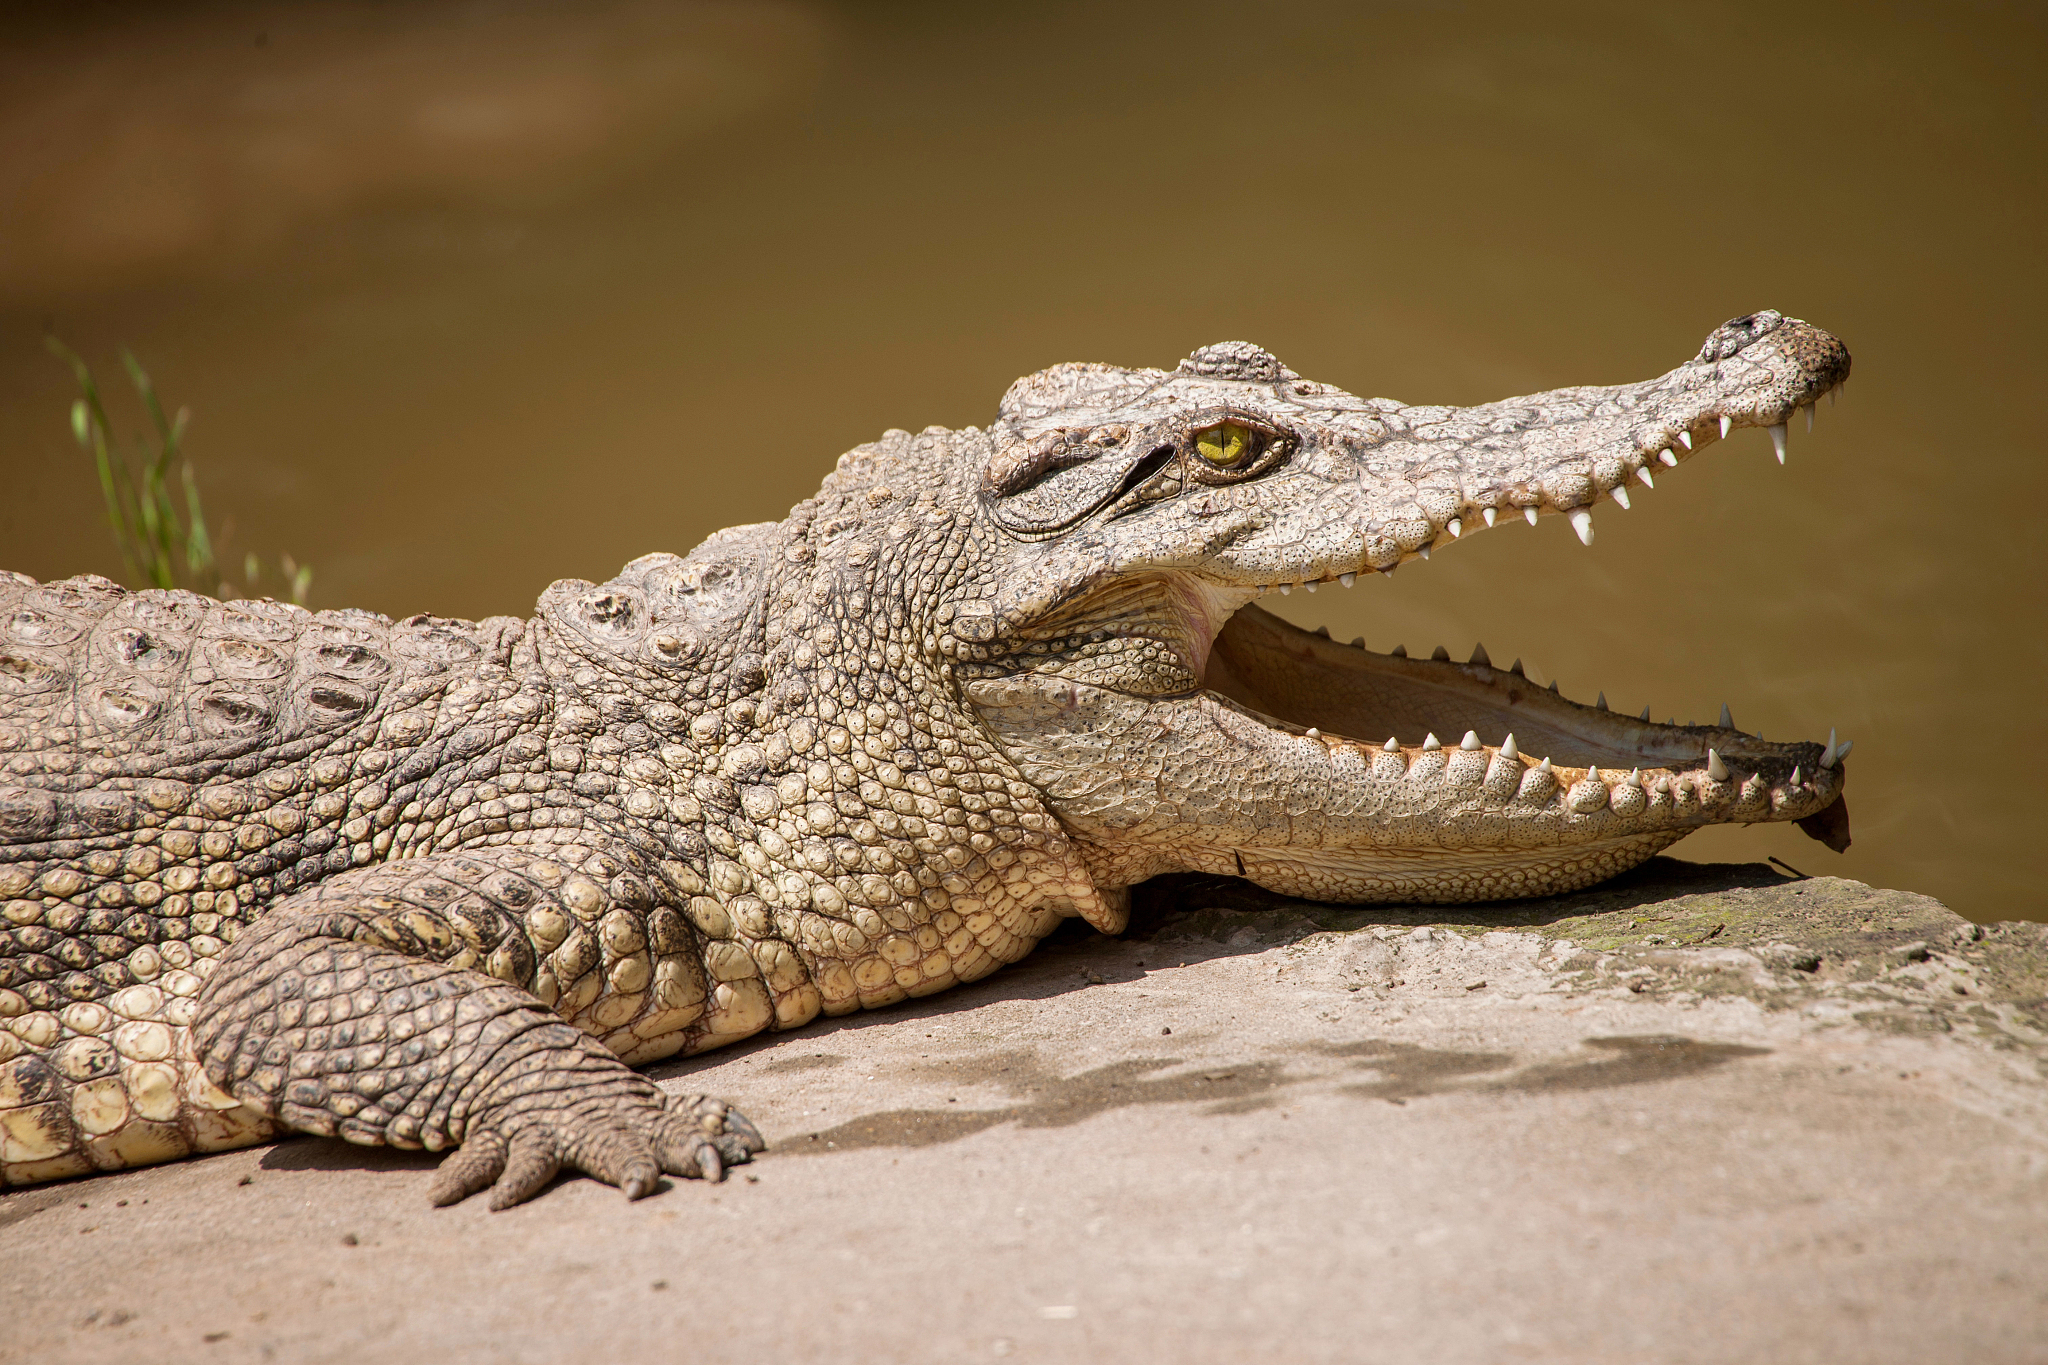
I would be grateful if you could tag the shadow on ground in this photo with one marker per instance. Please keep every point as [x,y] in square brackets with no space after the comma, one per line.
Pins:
[1164,905]
[1401,1072]
[335,1155]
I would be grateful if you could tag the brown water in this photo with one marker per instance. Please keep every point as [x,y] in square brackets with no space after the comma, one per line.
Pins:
[468,298]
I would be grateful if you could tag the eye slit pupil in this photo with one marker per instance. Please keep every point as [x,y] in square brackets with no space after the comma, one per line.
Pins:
[1224,445]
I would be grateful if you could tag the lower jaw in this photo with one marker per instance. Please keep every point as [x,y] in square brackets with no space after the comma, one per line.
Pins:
[1448,875]
[1271,773]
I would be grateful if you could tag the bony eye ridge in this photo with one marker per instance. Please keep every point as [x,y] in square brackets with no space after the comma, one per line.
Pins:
[1226,445]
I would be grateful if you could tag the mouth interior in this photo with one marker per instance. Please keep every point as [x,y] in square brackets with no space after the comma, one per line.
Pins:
[1303,678]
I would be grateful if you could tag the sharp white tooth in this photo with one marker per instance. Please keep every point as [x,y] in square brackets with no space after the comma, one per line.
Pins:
[1430,741]
[1634,779]
[1808,410]
[1529,514]
[1480,656]
[1593,774]
[1620,495]
[1310,585]
[1725,424]
[1347,579]
[1489,513]
[1516,667]
[1389,570]
[1286,588]
[1313,733]
[1544,767]
[1440,654]
[1727,721]
[1553,687]
[1796,775]
[1829,755]
[1508,749]
[1716,769]
[1686,437]
[1392,746]
[1645,715]
[1398,651]
[1358,642]
[1667,459]
[1470,743]
[1831,394]
[1778,441]
[1323,631]
[1600,702]
[1424,552]
[1582,522]
[1455,527]
[1644,475]
[1843,752]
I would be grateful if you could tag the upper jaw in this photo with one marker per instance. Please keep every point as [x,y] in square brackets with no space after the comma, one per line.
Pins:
[1398,481]
[1367,484]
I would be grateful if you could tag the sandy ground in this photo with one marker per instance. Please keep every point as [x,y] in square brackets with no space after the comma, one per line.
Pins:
[1260,1131]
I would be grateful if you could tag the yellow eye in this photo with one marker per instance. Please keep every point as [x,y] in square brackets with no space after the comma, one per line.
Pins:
[1225,445]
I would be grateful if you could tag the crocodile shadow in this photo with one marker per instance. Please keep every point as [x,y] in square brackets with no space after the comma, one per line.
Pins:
[1401,1072]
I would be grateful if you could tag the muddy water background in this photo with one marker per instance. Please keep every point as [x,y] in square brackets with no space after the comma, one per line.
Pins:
[468,298]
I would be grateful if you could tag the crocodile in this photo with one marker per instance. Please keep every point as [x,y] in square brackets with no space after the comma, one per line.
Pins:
[445,884]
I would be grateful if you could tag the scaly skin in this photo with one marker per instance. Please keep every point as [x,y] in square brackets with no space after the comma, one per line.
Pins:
[442,884]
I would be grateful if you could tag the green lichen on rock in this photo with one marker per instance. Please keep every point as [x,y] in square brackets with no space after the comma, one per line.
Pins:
[1892,960]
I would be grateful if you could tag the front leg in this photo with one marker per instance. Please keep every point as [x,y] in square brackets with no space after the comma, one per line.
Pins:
[395,1004]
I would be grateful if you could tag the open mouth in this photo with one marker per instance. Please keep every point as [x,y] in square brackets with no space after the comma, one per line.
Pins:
[1493,726]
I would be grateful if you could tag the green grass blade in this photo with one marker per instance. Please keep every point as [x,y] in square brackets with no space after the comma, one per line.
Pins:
[198,544]
[159,544]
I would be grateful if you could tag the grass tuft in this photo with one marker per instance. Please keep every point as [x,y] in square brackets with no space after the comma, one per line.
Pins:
[162,544]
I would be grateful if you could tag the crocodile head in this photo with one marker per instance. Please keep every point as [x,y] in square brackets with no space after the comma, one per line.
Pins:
[1102,625]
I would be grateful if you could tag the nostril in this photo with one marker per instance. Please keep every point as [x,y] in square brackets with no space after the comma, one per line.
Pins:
[1731,336]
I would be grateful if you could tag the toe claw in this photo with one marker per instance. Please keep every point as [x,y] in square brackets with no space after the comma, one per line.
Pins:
[471,1167]
[735,1151]
[710,1162]
[639,1182]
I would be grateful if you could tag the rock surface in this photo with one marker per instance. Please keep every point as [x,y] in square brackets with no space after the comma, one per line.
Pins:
[1698,1113]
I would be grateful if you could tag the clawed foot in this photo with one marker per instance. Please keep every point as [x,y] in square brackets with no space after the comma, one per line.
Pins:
[622,1141]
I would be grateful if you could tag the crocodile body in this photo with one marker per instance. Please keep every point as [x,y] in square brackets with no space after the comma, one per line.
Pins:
[443,884]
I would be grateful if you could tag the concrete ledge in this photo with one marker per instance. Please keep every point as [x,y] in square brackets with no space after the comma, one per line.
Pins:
[1702,1113]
